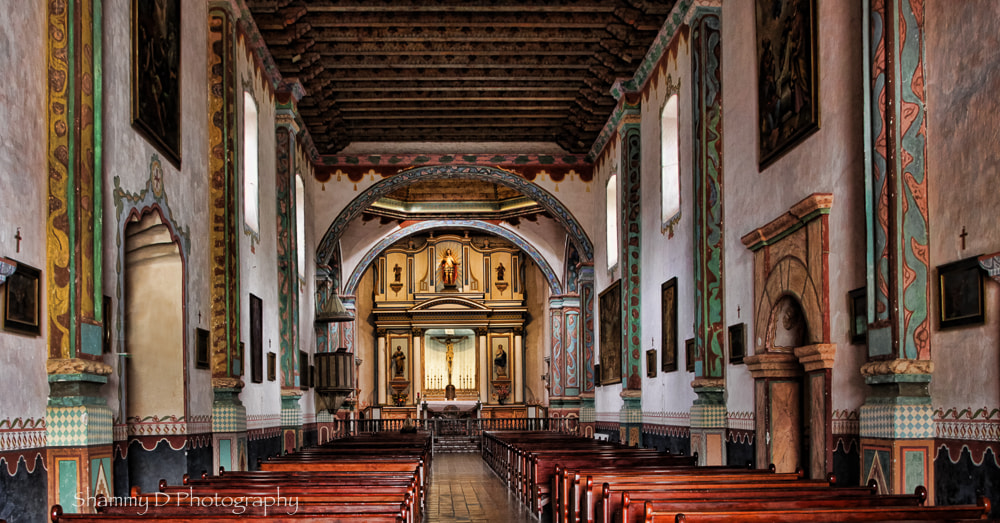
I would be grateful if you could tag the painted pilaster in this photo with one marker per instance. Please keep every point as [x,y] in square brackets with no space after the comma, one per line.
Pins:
[896,419]
[229,424]
[78,420]
[518,355]
[381,369]
[288,271]
[484,376]
[631,232]
[416,382]
[558,357]
[587,326]
[708,414]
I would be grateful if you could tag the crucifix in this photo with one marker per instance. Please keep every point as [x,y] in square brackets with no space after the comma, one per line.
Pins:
[737,311]
[18,237]
[962,236]
[450,352]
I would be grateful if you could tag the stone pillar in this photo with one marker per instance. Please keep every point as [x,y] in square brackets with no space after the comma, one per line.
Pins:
[896,419]
[630,418]
[229,425]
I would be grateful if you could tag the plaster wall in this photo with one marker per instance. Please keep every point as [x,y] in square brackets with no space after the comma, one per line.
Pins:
[127,161]
[23,193]
[258,249]
[307,284]
[607,398]
[963,76]
[537,334]
[831,161]
[666,255]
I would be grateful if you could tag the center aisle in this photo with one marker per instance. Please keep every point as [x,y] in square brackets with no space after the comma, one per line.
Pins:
[463,488]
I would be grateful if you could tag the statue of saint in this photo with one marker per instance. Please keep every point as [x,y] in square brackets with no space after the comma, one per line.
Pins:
[500,362]
[500,270]
[398,362]
[397,271]
[449,268]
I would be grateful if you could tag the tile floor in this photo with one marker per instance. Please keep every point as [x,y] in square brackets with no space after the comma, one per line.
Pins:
[463,488]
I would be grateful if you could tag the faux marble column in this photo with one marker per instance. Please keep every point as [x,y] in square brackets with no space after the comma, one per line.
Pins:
[518,377]
[381,369]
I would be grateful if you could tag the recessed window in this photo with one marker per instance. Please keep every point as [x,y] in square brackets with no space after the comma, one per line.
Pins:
[300,224]
[670,172]
[611,213]
[250,173]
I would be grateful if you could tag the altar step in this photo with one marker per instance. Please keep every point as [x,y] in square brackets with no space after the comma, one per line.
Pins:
[453,444]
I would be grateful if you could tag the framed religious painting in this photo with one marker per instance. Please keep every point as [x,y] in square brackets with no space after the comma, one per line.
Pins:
[689,354]
[156,66]
[857,302]
[610,313]
[737,343]
[107,323]
[960,291]
[668,325]
[256,340]
[272,367]
[201,349]
[788,101]
[22,308]
[651,363]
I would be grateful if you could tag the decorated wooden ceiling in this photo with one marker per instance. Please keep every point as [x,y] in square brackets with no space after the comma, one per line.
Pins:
[457,70]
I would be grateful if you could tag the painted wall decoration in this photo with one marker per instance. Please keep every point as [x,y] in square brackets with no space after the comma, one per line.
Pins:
[22,301]
[610,312]
[960,291]
[786,75]
[156,64]
[668,325]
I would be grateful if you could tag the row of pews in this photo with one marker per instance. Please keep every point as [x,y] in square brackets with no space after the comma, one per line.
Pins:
[380,478]
[579,480]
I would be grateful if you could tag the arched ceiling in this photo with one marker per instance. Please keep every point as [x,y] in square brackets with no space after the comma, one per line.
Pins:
[457,70]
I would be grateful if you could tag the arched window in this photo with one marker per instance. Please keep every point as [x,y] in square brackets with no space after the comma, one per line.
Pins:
[300,224]
[670,172]
[250,174]
[611,213]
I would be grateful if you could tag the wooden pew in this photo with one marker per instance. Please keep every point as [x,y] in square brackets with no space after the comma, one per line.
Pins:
[844,514]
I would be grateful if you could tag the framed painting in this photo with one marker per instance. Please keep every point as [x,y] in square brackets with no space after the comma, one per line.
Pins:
[689,354]
[156,66]
[960,287]
[857,301]
[737,343]
[256,340]
[107,324]
[788,102]
[22,310]
[500,354]
[597,374]
[668,325]
[271,366]
[201,357]
[651,363]
[610,304]
[303,370]
[399,356]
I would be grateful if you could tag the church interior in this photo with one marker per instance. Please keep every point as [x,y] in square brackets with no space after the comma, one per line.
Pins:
[750,231]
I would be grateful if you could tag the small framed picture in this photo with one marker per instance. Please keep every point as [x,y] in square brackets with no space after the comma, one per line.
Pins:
[597,374]
[271,364]
[107,324]
[22,304]
[303,370]
[201,357]
[737,343]
[960,286]
[689,354]
[651,363]
[857,301]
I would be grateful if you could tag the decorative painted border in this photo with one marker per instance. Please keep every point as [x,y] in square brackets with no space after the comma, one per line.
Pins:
[324,251]
[741,420]
[11,461]
[555,288]
[168,425]
[967,424]
[846,422]
[21,434]
[673,419]
[673,431]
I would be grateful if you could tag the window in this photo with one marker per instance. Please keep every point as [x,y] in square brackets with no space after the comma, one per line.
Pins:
[300,224]
[250,174]
[611,202]
[670,173]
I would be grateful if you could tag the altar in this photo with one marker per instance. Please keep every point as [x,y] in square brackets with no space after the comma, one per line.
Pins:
[451,409]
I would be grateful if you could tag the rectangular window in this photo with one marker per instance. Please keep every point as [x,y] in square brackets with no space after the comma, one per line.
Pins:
[250,174]
[300,224]
[670,173]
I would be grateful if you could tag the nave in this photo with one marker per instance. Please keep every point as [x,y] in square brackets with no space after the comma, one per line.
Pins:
[463,488]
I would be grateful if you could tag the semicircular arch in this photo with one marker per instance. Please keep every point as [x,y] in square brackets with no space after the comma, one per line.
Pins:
[555,287]
[461,172]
